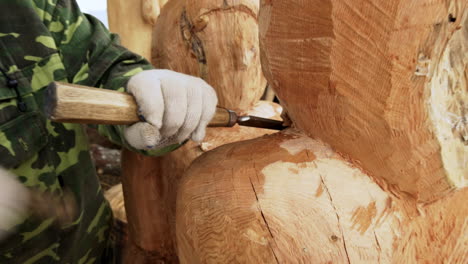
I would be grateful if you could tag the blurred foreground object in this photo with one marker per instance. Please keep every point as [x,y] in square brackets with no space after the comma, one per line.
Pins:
[18,201]
[14,202]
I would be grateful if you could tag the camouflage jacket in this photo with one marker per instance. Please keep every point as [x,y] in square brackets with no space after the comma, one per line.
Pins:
[43,41]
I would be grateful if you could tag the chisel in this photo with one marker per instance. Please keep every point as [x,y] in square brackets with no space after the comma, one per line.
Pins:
[73,103]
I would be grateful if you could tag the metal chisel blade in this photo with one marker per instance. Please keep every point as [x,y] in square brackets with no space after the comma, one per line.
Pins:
[255,121]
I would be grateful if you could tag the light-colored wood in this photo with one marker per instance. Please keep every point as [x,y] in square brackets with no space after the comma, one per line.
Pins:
[375,173]
[383,82]
[236,75]
[218,136]
[150,10]
[116,200]
[216,40]
[269,94]
[127,18]
[153,181]
[81,104]
[286,198]
[146,244]
[87,105]
[151,184]
[162,3]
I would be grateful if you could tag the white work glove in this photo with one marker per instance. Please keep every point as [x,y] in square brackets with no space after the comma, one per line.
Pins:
[14,202]
[175,106]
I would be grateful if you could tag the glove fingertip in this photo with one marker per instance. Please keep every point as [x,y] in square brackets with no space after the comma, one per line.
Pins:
[154,119]
[150,136]
[142,135]
[199,134]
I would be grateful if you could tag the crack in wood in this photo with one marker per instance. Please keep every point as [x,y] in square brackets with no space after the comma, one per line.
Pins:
[337,217]
[378,245]
[264,219]
[235,8]
[194,43]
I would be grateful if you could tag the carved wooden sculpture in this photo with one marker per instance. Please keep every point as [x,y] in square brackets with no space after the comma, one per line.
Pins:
[133,20]
[376,171]
[229,41]
[216,40]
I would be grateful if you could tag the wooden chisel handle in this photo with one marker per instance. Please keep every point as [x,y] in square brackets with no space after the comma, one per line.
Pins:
[73,103]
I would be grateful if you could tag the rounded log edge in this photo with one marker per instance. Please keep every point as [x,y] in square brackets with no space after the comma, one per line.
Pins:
[286,198]
[384,84]
[151,182]
[216,41]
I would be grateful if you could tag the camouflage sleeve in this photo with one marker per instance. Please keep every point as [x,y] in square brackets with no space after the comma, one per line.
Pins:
[92,56]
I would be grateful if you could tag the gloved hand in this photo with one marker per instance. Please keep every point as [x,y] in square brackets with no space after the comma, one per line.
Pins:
[175,107]
[14,202]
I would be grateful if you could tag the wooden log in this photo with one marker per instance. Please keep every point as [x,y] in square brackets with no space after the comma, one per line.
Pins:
[286,198]
[150,10]
[269,94]
[151,185]
[130,20]
[162,2]
[146,212]
[146,243]
[217,41]
[115,197]
[383,82]
[381,87]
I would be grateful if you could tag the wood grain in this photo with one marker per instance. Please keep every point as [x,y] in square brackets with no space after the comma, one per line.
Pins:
[128,19]
[151,191]
[375,173]
[148,243]
[87,105]
[116,200]
[150,10]
[286,198]
[217,41]
[365,76]
[234,70]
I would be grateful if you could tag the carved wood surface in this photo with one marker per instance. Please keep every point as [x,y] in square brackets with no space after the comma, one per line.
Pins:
[286,198]
[383,82]
[375,173]
[217,41]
